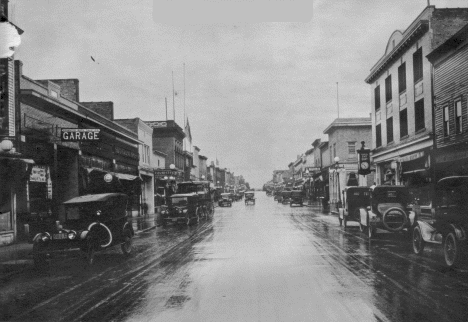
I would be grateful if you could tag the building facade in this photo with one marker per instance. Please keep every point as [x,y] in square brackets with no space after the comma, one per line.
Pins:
[402,124]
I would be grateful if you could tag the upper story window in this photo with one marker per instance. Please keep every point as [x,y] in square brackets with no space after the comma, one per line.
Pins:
[389,130]
[418,65]
[419,115]
[53,89]
[402,78]
[378,135]
[351,149]
[388,88]
[403,122]
[458,117]
[446,121]
[377,97]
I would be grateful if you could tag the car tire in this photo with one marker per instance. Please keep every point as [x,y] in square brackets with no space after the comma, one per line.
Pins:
[39,258]
[127,245]
[417,241]
[392,228]
[452,250]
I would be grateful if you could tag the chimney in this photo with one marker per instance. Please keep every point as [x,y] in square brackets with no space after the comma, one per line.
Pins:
[105,109]
[69,88]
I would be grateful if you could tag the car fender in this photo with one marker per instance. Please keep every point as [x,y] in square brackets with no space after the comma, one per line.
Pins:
[106,228]
[363,216]
[38,236]
[373,218]
[412,218]
[426,230]
[459,231]
[131,228]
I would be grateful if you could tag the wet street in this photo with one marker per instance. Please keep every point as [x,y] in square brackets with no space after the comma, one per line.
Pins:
[263,262]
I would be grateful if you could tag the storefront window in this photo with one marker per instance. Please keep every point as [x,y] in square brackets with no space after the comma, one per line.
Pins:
[5,210]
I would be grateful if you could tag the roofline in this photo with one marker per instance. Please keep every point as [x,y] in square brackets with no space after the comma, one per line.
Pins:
[451,43]
[346,124]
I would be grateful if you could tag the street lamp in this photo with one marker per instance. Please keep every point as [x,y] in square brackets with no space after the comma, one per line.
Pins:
[165,178]
[172,166]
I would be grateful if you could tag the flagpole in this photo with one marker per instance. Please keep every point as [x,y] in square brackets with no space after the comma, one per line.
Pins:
[166,107]
[185,124]
[173,97]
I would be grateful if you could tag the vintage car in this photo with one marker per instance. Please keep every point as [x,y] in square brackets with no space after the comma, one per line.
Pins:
[250,197]
[388,210]
[353,199]
[92,223]
[205,195]
[183,208]
[449,223]
[225,200]
[286,196]
[297,198]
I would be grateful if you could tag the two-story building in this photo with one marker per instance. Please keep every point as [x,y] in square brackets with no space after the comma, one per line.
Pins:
[402,124]
[344,139]
[450,76]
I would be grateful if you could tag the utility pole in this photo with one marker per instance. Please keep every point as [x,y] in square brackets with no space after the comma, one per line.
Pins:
[337,100]
[173,97]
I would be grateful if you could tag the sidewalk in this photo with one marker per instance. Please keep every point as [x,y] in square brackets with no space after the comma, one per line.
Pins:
[17,257]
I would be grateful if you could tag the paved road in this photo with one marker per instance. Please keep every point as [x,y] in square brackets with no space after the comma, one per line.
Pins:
[267,262]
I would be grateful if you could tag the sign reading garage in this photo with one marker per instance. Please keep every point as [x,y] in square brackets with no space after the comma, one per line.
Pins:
[80,135]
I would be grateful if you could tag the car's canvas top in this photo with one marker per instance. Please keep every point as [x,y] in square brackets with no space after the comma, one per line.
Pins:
[95,198]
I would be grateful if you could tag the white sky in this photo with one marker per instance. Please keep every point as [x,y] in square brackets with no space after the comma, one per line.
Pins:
[257,95]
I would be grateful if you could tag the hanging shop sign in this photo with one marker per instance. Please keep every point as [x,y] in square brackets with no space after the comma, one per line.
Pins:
[411,157]
[38,173]
[80,135]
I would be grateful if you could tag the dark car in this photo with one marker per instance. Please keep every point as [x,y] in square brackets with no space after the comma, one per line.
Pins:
[225,200]
[182,209]
[296,198]
[449,222]
[388,210]
[92,223]
[286,196]
[205,195]
[250,197]
[355,200]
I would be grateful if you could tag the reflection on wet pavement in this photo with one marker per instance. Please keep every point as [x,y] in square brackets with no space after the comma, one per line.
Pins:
[267,262]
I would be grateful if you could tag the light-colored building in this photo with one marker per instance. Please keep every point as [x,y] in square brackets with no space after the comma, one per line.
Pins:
[344,139]
[402,125]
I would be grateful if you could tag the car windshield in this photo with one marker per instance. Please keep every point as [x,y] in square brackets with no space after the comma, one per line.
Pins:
[179,201]
[83,211]
[453,196]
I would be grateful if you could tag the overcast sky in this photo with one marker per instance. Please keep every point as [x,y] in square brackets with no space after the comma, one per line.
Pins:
[257,95]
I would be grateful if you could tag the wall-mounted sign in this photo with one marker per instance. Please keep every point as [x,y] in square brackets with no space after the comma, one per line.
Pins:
[80,135]
[38,173]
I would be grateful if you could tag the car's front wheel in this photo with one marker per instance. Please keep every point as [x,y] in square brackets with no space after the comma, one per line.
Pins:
[127,244]
[418,241]
[452,250]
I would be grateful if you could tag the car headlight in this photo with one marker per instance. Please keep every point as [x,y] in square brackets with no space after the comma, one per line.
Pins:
[71,235]
[185,211]
[45,238]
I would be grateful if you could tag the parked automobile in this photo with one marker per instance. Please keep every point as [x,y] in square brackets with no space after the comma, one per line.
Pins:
[296,197]
[449,222]
[250,197]
[225,200]
[286,195]
[183,208]
[204,192]
[353,199]
[92,223]
[388,210]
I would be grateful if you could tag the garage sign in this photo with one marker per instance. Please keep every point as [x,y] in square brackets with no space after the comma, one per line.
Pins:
[80,135]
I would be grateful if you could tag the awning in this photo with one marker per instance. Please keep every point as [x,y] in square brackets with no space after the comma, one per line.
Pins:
[124,176]
[29,161]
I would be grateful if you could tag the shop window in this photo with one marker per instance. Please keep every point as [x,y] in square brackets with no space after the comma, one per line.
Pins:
[458,117]
[378,135]
[388,88]
[403,123]
[402,78]
[419,115]
[446,121]
[5,209]
[389,130]
[418,65]
[351,150]
[377,97]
